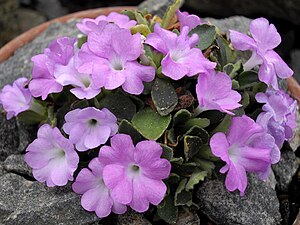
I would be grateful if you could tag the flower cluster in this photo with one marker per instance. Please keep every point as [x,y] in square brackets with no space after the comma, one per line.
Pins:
[149,110]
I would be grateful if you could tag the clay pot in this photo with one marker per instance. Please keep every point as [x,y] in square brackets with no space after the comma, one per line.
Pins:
[8,50]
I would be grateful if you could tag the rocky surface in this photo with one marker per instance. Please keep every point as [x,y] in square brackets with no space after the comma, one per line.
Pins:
[156,7]
[287,9]
[16,164]
[285,169]
[188,218]
[259,206]
[131,218]
[24,202]
[20,65]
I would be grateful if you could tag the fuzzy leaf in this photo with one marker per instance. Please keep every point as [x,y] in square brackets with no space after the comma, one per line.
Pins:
[207,35]
[140,28]
[223,126]
[247,79]
[233,69]
[245,99]
[120,105]
[199,132]
[164,96]
[167,211]
[227,55]
[173,178]
[170,13]
[196,177]
[126,127]
[81,41]
[30,117]
[182,197]
[192,145]
[181,116]
[205,165]
[167,152]
[199,122]
[150,124]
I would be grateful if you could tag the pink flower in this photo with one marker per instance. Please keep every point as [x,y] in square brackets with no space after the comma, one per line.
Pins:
[214,92]
[89,25]
[43,82]
[181,59]
[16,98]
[110,55]
[134,174]
[88,128]
[246,148]
[82,83]
[52,157]
[95,195]
[264,39]
[279,116]
[185,19]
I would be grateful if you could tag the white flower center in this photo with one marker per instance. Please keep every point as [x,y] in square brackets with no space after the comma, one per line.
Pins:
[176,55]
[93,122]
[117,64]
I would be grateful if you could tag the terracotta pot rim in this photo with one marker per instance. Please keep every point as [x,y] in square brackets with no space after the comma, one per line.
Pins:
[8,49]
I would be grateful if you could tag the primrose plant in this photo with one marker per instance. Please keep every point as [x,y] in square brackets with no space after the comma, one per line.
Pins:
[138,110]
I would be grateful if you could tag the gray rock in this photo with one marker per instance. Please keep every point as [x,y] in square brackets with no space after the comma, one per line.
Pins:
[156,7]
[24,202]
[259,206]
[271,181]
[27,133]
[295,64]
[238,23]
[9,137]
[288,9]
[19,65]
[188,218]
[2,171]
[131,218]
[51,8]
[285,169]
[16,164]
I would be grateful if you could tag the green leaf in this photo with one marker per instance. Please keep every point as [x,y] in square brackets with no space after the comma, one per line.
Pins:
[30,117]
[167,211]
[140,28]
[247,79]
[182,197]
[178,161]
[259,87]
[150,124]
[185,169]
[170,13]
[245,99]
[129,13]
[223,126]
[196,177]
[233,69]
[173,178]
[199,122]
[81,41]
[167,152]
[181,116]
[227,55]
[205,165]
[235,84]
[199,132]
[205,153]
[192,145]
[140,18]
[164,96]
[207,35]
[126,127]
[120,105]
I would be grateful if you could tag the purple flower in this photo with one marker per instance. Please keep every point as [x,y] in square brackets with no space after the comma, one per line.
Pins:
[134,173]
[214,92]
[90,127]
[52,157]
[185,19]
[111,57]
[89,25]
[95,195]
[43,82]
[245,148]
[264,39]
[82,83]
[181,59]
[16,98]
[279,116]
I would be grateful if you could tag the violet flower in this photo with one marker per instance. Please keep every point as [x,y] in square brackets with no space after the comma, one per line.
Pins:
[134,174]
[89,25]
[111,56]
[279,116]
[245,148]
[181,59]
[214,92]
[52,157]
[185,19]
[43,82]
[16,98]
[264,39]
[95,195]
[90,127]
[82,83]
